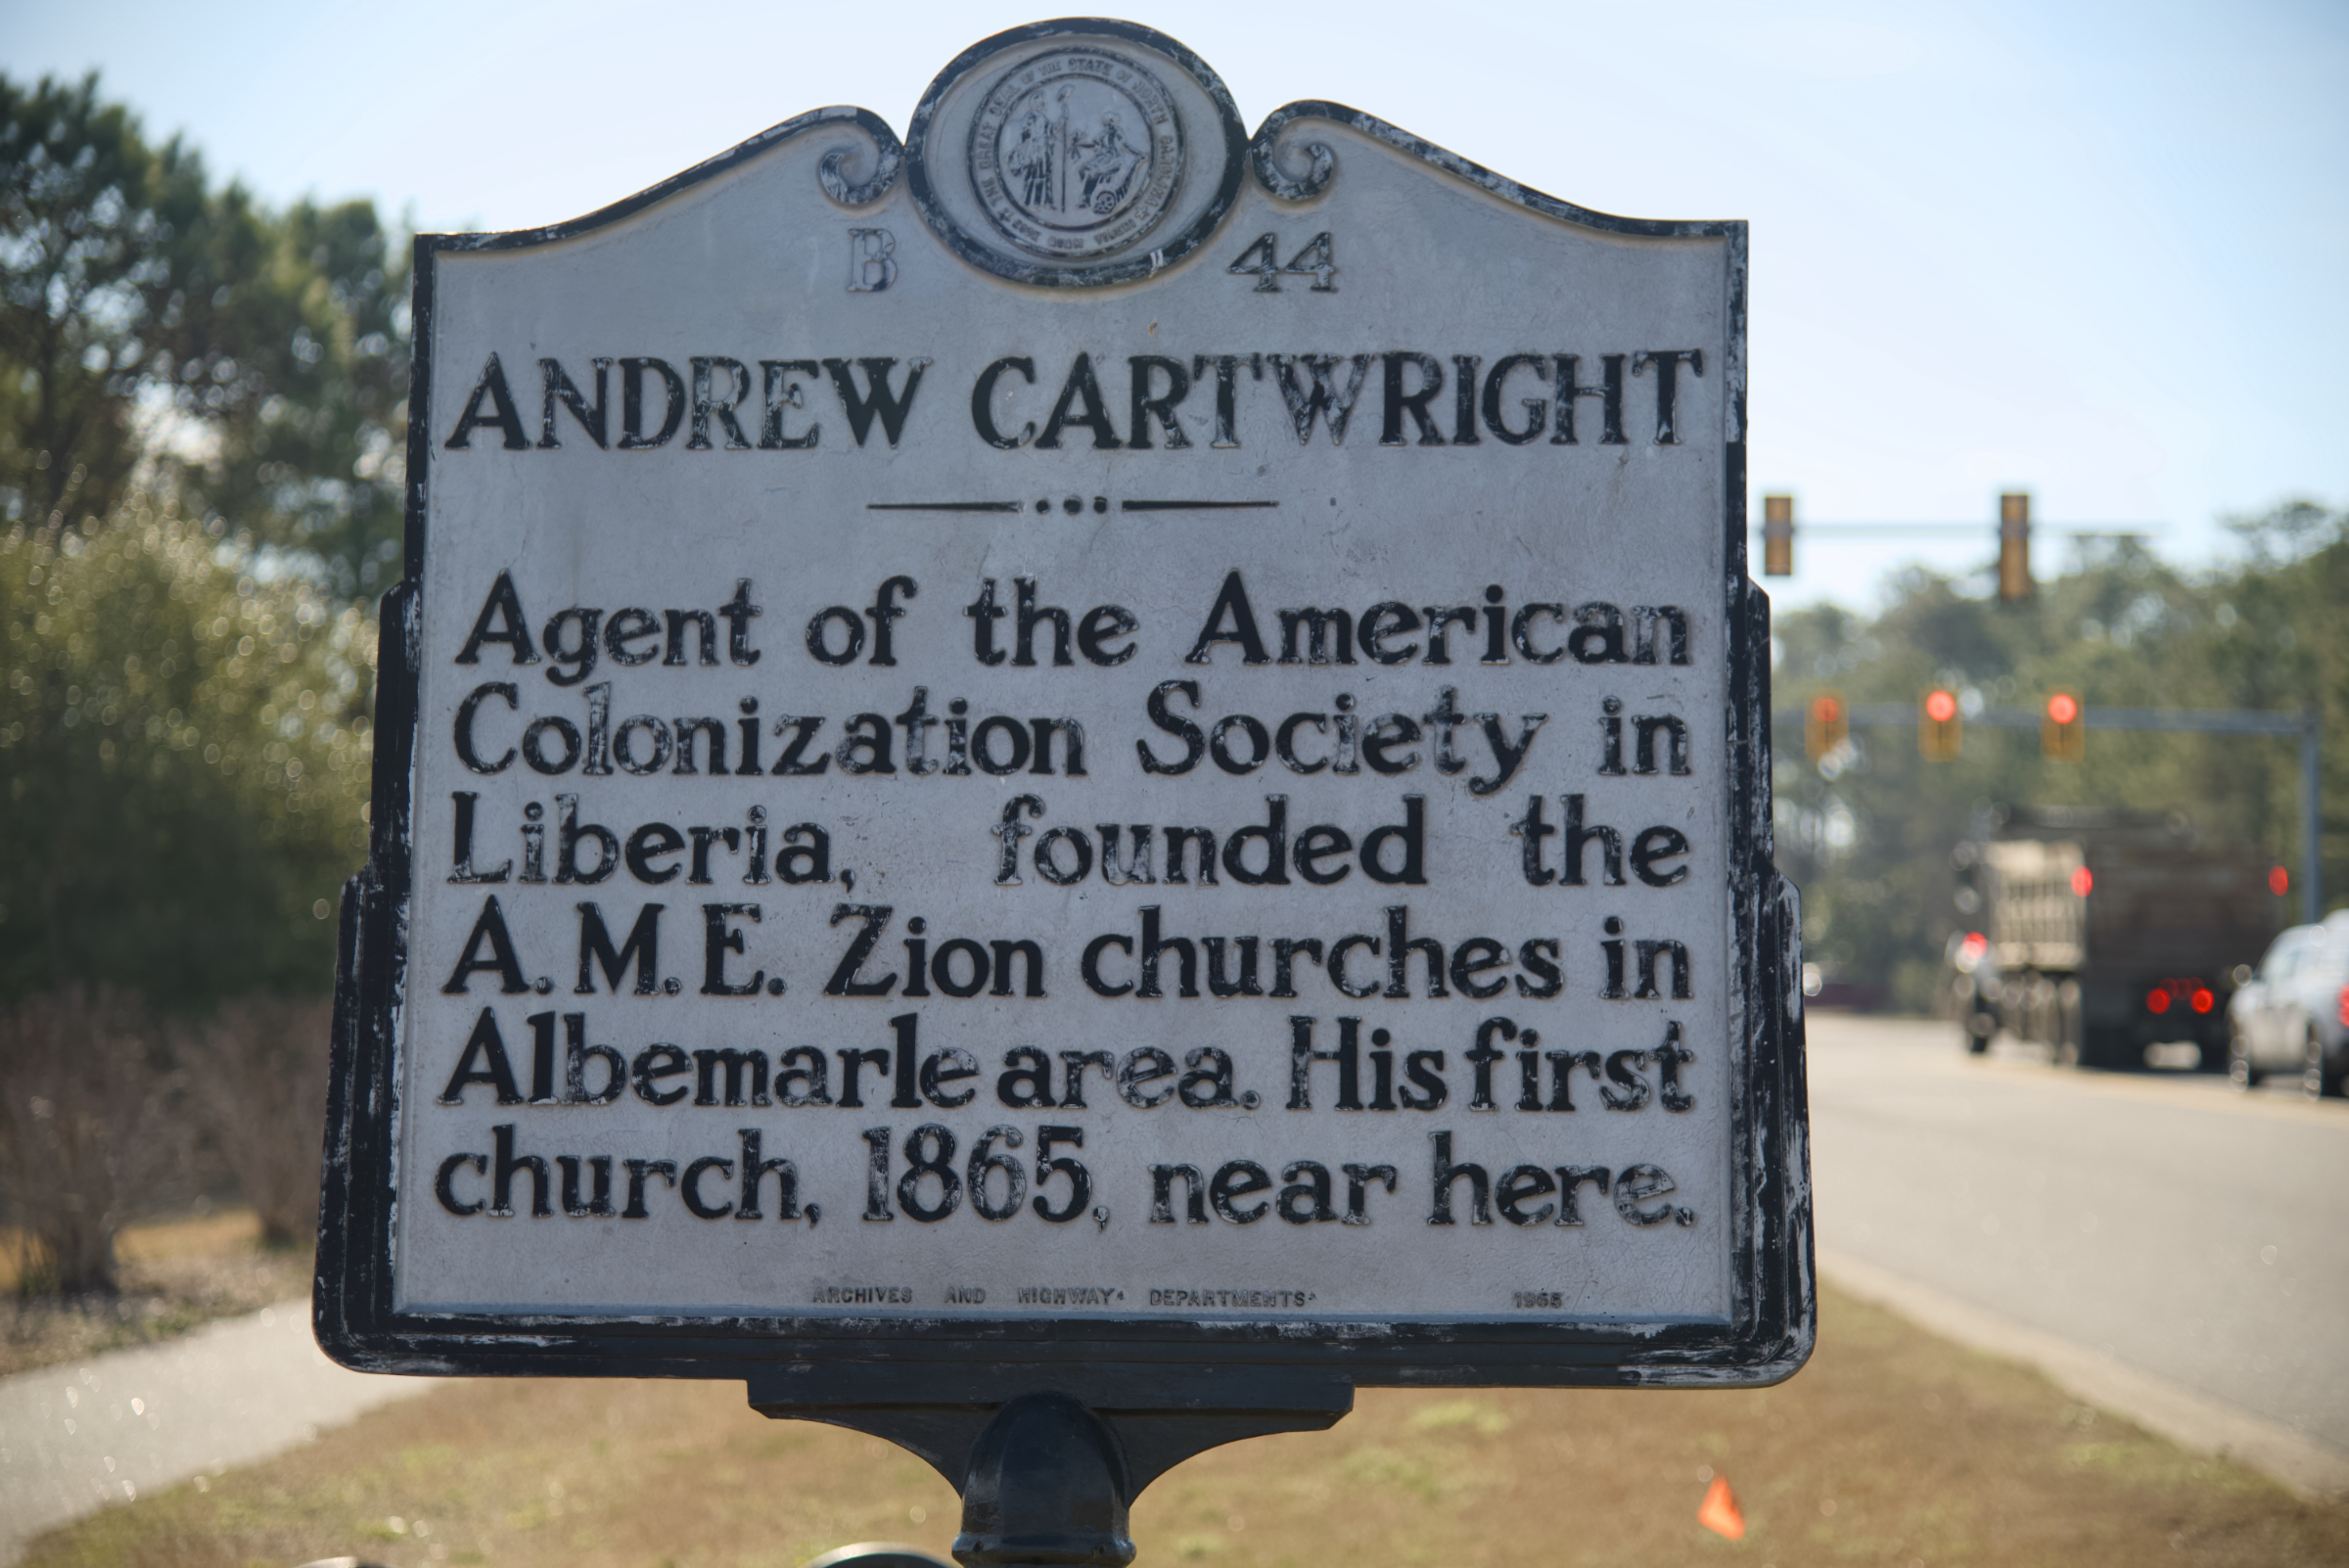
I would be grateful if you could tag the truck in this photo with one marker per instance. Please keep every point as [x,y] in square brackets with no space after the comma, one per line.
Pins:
[2099,933]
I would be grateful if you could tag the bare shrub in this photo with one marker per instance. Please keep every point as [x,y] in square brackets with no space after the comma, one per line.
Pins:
[257,1075]
[85,1134]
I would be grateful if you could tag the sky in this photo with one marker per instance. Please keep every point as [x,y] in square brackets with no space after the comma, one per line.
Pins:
[2090,251]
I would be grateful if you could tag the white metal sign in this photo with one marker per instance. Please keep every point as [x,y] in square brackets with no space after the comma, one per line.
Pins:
[1086,731]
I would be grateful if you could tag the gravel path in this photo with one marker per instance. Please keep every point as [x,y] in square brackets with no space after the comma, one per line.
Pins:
[78,1435]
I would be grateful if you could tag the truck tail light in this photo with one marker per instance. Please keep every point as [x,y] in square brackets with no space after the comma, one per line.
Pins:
[2344,1008]
[2189,994]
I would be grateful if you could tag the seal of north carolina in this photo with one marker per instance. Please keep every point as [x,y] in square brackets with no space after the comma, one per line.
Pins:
[1076,154]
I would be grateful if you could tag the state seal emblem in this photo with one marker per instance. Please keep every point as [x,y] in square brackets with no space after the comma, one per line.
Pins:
[1076,154]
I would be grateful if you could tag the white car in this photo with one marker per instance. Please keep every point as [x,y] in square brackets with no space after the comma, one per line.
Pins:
[2291,1015]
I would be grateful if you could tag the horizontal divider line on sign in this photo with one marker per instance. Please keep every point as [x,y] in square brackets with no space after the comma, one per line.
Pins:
[1021,506]
[944,506]
[1192,506]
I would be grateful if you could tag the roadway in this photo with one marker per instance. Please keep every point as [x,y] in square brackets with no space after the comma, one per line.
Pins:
[2161,1222]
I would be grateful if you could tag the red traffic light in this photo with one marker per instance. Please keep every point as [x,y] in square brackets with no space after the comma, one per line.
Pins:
[2062,728]
[1940,733]
[2084,882]
[1827,725]
[2279,881]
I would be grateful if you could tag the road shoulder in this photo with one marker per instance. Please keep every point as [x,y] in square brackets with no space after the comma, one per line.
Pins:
[2191,1420]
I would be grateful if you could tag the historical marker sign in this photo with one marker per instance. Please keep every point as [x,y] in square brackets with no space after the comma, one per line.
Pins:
[1089,742]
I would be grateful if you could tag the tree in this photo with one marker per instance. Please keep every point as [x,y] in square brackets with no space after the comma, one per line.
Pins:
[84,1134]
[256,1077]
[202,428]
[185,745]
[155,329]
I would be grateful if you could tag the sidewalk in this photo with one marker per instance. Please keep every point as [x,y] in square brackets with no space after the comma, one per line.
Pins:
[80,1435]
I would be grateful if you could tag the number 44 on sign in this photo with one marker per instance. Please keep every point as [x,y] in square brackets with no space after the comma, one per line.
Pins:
[1263,260]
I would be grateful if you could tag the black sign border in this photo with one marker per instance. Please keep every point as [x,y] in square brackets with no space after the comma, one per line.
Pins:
[809,1363]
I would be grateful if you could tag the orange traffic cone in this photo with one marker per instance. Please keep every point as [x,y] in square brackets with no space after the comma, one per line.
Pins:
[1719,1512]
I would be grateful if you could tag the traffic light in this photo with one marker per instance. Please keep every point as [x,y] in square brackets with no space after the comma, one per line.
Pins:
[2063,730]
[1778,536]
[1940,728]
[1826,724]
[2014,547]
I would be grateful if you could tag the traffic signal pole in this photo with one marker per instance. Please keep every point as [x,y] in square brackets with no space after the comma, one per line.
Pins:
[2194,721]
[2312,864]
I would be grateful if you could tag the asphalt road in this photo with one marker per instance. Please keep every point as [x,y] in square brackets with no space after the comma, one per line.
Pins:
[2165,1219]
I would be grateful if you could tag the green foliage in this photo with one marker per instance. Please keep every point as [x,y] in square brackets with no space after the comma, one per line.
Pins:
[185,750]
[156,331]
[202,427]
[1867,833]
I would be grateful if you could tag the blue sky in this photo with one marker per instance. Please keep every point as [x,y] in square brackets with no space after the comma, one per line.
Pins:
[2094,250]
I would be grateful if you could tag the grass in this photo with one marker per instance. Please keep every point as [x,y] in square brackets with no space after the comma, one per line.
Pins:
[1893,1448]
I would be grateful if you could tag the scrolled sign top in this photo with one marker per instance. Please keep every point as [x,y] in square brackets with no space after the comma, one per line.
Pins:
[1080,745]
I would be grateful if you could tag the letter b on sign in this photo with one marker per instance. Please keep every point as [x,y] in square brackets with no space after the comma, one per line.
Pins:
[872,261]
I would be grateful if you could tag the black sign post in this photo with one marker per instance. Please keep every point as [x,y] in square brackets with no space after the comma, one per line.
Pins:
[1059,790]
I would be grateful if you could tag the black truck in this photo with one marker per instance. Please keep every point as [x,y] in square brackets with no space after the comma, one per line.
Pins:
[2099,932]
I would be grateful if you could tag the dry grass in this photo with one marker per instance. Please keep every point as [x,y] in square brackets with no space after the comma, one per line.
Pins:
[1893,1448]
[175,1276]
[221,1234]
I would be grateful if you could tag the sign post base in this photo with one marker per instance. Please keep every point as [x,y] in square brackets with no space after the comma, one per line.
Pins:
[1047,1488]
